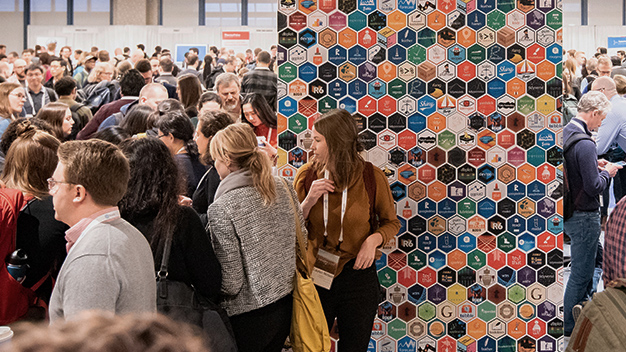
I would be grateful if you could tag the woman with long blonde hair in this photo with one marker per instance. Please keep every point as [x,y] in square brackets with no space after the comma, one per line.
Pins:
[252,225]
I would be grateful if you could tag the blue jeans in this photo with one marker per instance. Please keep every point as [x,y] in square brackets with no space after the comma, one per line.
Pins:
[583,228]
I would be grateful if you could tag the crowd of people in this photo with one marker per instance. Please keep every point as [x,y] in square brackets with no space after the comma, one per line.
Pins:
[121,170]
[594,134]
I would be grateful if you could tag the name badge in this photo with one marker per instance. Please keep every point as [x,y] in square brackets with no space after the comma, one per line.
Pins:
[325,268]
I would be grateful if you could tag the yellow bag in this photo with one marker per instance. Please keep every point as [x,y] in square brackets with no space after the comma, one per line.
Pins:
[309,331]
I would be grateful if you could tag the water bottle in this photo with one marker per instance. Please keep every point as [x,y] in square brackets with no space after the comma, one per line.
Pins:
[17,265]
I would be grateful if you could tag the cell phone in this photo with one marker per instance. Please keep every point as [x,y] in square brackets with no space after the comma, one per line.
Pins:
[260,141]
[620,163]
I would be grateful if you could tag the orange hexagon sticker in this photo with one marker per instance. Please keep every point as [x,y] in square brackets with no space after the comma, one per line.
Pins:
[436,20]
[347,38]
[396,20]
[436,122]
[516,88]
[437,191]
[466,37]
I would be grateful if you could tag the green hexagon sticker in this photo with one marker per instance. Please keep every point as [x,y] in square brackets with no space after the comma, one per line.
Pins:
[327,104]
[476,54]
[446,139]
[496,20]
[396,329]
[525,105]
[559,69]
[486,311]
[357,20]
[426,311]
[516,293]
[506,242]
[416,54]
[476,259]
[288,72]
[554,19]
[396,88]
[387,277]
[297,123]
[417,259]
[467,208]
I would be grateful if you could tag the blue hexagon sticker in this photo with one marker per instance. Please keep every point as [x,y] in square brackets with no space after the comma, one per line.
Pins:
[536,190]
[426,242]
[446,242]
[555,224]
[554,53]
[407,37]
[467,242]
[536,225]
[307,38]
[357,89]
[487,208]
[426,105]
[446,208]
[546,139]
[416,123]
[307,72]
[377,88]
[398,191]
[526,242]
[426,208]
[476,20]
[287,106]
[456,54]
[348,104]
[397,54]
[506,71]
[437,260]
[357,55]
[406,6]
[516,225]
[337,55]
[496,88]
[337,89]
[516,190]
[496,54]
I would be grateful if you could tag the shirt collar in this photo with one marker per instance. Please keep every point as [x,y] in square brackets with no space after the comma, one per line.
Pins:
[73,233]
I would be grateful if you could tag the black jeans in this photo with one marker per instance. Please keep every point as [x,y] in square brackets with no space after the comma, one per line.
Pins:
[264,329]
[352,299]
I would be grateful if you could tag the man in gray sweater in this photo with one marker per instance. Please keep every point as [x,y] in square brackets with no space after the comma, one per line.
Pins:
[109,264]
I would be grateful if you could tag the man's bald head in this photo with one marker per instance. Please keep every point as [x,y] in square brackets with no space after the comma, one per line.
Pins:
[5,69]
[152,94]
[605,85]
[137,55]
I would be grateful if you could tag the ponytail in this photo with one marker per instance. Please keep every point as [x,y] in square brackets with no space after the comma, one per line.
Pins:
[261,169]
[238,144]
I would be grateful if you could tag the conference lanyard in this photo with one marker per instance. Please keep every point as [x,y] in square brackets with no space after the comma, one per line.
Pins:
[30,100]
[344,203]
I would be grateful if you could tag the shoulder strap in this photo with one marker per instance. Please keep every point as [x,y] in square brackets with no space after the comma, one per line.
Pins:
[76,107]
[300,240]
[162,274]
[573,139]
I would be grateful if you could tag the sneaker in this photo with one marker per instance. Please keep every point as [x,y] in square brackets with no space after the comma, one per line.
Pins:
[576,311]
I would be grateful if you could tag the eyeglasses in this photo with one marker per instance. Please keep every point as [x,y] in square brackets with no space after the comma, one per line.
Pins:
[52,183]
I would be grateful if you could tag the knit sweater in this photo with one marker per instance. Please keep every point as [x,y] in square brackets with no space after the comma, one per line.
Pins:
[254,243]
[356,227]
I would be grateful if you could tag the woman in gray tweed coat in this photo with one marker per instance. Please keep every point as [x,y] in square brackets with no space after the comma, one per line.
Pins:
[252,226]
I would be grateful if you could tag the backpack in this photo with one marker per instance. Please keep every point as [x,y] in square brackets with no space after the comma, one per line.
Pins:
[568,201]
[15,298]
[96,95]
[370,187]
[601,325]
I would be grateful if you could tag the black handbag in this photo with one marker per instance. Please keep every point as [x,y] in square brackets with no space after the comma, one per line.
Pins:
[181,302]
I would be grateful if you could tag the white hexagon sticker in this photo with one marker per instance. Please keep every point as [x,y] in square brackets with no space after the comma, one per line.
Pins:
[515,19]
[436,54]
[407,71]
[317,21]
[457,122]
[297,55]
[476,190]
[486,71]
[496,190]
[506,105]
[486,37]
[377,156]
[466,105]
[426,140]
[446,71]
[525,36]
[407,105]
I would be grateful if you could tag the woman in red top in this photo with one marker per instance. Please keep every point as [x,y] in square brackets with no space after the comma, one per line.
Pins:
[260,115]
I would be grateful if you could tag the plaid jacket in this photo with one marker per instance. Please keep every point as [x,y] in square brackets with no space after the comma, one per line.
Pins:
[614,264]
[262,81]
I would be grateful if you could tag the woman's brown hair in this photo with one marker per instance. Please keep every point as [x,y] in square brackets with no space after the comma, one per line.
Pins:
[30,161]
[5,105]
[210,123]
[339,129]
[54,114]
[237,143]
[190,90]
